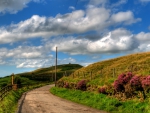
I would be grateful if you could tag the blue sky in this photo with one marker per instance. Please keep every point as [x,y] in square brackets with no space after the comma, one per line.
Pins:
[85,31]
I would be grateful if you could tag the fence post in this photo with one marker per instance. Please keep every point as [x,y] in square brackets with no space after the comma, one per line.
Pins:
[101,71]
[113,72]
[91,75]
[83,74]
[12,79]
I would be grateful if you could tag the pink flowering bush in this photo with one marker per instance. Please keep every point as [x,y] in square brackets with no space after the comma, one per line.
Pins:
[146,83]
[122,80]
[102,90]
[118,86]
[135,82]
[81,85]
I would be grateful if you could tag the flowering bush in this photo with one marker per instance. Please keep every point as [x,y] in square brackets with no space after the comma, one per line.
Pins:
[102,90]
[81,85]
[118,86]
[146,83]
[135,82]
[125,78]
[122,80]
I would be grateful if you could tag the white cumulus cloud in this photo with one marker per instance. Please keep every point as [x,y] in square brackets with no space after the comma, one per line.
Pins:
[13,6]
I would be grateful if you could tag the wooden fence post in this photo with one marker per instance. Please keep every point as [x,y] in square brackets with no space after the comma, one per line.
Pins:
[12,79]
[114,72]
[73,75]
[65,73]
[91,75]
[83,74]
[101,71]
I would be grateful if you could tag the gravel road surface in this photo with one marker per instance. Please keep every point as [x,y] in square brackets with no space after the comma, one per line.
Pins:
[40,100]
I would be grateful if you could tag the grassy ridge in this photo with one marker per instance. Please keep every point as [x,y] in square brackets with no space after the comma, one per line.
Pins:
[30,77]
[60,69]
[47,74]
[105,72]
[102,102]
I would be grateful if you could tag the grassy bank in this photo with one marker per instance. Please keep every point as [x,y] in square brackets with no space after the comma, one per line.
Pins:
[9,104]
[103,102]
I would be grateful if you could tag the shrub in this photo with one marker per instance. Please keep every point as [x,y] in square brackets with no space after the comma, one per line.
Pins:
[123,79]
[102,90]
[118,86]
[66,85]
[146,83]
[136,83]
[81,85]
[60,83]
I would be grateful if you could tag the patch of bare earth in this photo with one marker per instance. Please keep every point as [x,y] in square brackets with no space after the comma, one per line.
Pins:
[40,100]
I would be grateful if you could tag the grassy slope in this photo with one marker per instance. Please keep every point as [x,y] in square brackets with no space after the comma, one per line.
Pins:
[102,72]
[60,69]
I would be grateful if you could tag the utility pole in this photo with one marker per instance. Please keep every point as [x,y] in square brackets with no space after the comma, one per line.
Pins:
[56,67]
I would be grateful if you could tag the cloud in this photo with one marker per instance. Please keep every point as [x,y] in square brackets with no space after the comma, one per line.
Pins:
[116,41]
[79,21]
[119,3]
[125,17]
[13,6]
[149,27]
[32,63]
[72,8]
[98,2]
[27,52]
[143,37]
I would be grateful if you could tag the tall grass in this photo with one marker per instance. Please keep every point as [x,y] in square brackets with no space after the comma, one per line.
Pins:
[102,102]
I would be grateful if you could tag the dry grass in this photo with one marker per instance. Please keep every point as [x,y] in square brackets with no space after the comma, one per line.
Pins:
[105,72]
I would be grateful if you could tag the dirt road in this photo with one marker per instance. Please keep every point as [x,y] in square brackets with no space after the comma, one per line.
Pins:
[40,100]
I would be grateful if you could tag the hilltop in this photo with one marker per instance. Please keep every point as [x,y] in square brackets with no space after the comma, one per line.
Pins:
[41,74]
[48,73]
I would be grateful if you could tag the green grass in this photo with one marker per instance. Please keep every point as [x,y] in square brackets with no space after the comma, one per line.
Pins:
[5,81]
[103,102]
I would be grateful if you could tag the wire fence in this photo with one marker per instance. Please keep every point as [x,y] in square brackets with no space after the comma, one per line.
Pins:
[142,69]
[4,91]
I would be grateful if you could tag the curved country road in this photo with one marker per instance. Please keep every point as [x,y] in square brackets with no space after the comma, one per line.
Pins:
[40,100]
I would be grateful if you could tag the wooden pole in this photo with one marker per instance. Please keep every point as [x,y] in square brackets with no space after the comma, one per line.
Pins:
[56,67]
[114,72]
[91,75]
[12,79]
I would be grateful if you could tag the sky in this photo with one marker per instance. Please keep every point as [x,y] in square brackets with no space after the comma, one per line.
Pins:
[84,31]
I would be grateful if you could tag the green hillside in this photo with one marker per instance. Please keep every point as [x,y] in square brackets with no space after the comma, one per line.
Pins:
[105,72]
[41,74]
[48,73]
